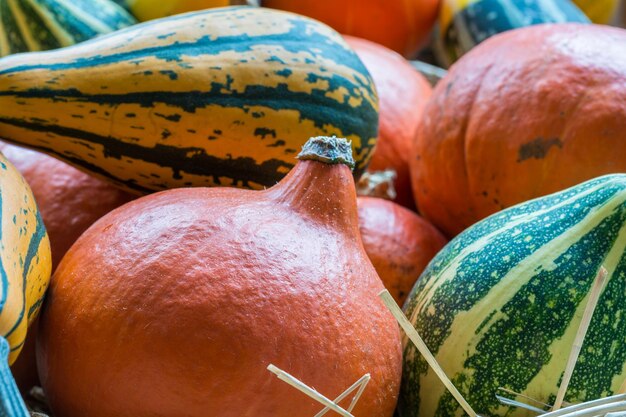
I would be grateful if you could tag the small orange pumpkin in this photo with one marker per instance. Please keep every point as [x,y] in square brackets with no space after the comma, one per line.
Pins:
[398,242]
[402,95]
[403,26]
[524,114]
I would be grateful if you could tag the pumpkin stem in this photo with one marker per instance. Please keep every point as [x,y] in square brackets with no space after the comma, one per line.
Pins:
[11,403]
[329,150]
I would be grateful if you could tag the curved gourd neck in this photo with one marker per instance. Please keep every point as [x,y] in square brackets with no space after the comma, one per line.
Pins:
[11,403]
[321,185]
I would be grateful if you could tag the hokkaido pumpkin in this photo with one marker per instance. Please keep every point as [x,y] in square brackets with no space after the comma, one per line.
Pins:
[175,304]
[398,242]
[69,202]
[524,114]
[403,26]
[402,95]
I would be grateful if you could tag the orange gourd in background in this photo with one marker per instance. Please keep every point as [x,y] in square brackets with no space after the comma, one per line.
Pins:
[398,242]
[175,303]
[402,95]
[403,26]
[524,114]
[69,202]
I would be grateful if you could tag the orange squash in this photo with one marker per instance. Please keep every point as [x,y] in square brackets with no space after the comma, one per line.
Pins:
[175,303]
[524,114]
[69,202]
[402,95]
[403,26]
[398,242]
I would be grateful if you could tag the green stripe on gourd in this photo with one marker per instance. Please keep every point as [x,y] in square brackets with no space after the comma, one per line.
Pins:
[500,305]
[37,25]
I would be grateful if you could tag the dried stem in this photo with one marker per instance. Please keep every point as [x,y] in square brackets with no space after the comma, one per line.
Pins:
[592,302]
[423,349]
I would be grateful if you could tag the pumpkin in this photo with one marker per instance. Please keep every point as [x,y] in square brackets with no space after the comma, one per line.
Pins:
[69,202]
[398,242]
[24,274]
[402,94]
[403,26]
[175,304]
[463,24]
[599,11]
[149,9]
[500,305]
[218,97]
[525,114]
[49,24]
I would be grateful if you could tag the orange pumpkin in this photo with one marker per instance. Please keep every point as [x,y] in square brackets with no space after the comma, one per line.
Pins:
[402,94]
[69,202]
[398,242]
[175,303]
[524,114]
[403,26]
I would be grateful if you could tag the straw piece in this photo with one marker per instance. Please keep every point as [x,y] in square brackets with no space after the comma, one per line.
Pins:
[596,290]
[361,384]
[614,399]
[594,411]
[508,401]
[526,397]
[302,387]
[421,346]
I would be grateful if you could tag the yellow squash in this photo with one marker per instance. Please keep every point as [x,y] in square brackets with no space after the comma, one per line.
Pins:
[150,9]
[25,267]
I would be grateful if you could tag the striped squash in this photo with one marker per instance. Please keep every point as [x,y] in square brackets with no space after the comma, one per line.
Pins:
[38,25]
[464,24]
[225,96]
[25,266]
[149,9]
[500,305]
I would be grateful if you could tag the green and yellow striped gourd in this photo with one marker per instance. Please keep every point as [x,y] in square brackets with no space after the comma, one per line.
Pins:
[25,267]
[218,97]
[501,304]
[38,25]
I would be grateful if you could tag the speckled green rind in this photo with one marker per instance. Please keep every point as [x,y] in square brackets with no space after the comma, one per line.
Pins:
[500,305]
[329,150]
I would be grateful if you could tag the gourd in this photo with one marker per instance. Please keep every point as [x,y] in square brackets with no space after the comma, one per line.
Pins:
[403,26]
[500,305]
[24,275]
[402,94]
[38,25]
[463,24]
[175,304]
[149,9]
[398,242]
[218,97]
[69,201]
[525,114]
[599,11]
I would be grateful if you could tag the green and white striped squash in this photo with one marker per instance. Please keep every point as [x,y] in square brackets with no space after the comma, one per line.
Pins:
[499,306]
[38,25]
[225,96]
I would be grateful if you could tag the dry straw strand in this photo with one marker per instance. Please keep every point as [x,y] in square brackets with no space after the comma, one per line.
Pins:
[592,302]
[421,346]
[361,384]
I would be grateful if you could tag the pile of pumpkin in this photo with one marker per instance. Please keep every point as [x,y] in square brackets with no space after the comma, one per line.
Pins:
[250,246]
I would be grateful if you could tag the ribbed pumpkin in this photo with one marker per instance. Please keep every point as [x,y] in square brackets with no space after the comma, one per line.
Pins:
[402,95]
[524,114]
[398,242]
[48,24]
[69,202]
[500,305]
[223,96]
[403,26]
[175,303]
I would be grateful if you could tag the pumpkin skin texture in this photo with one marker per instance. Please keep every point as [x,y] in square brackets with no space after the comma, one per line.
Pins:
[398,242]
[403,26]
[524,114]
[402,95]
[69,202]
[175,304]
